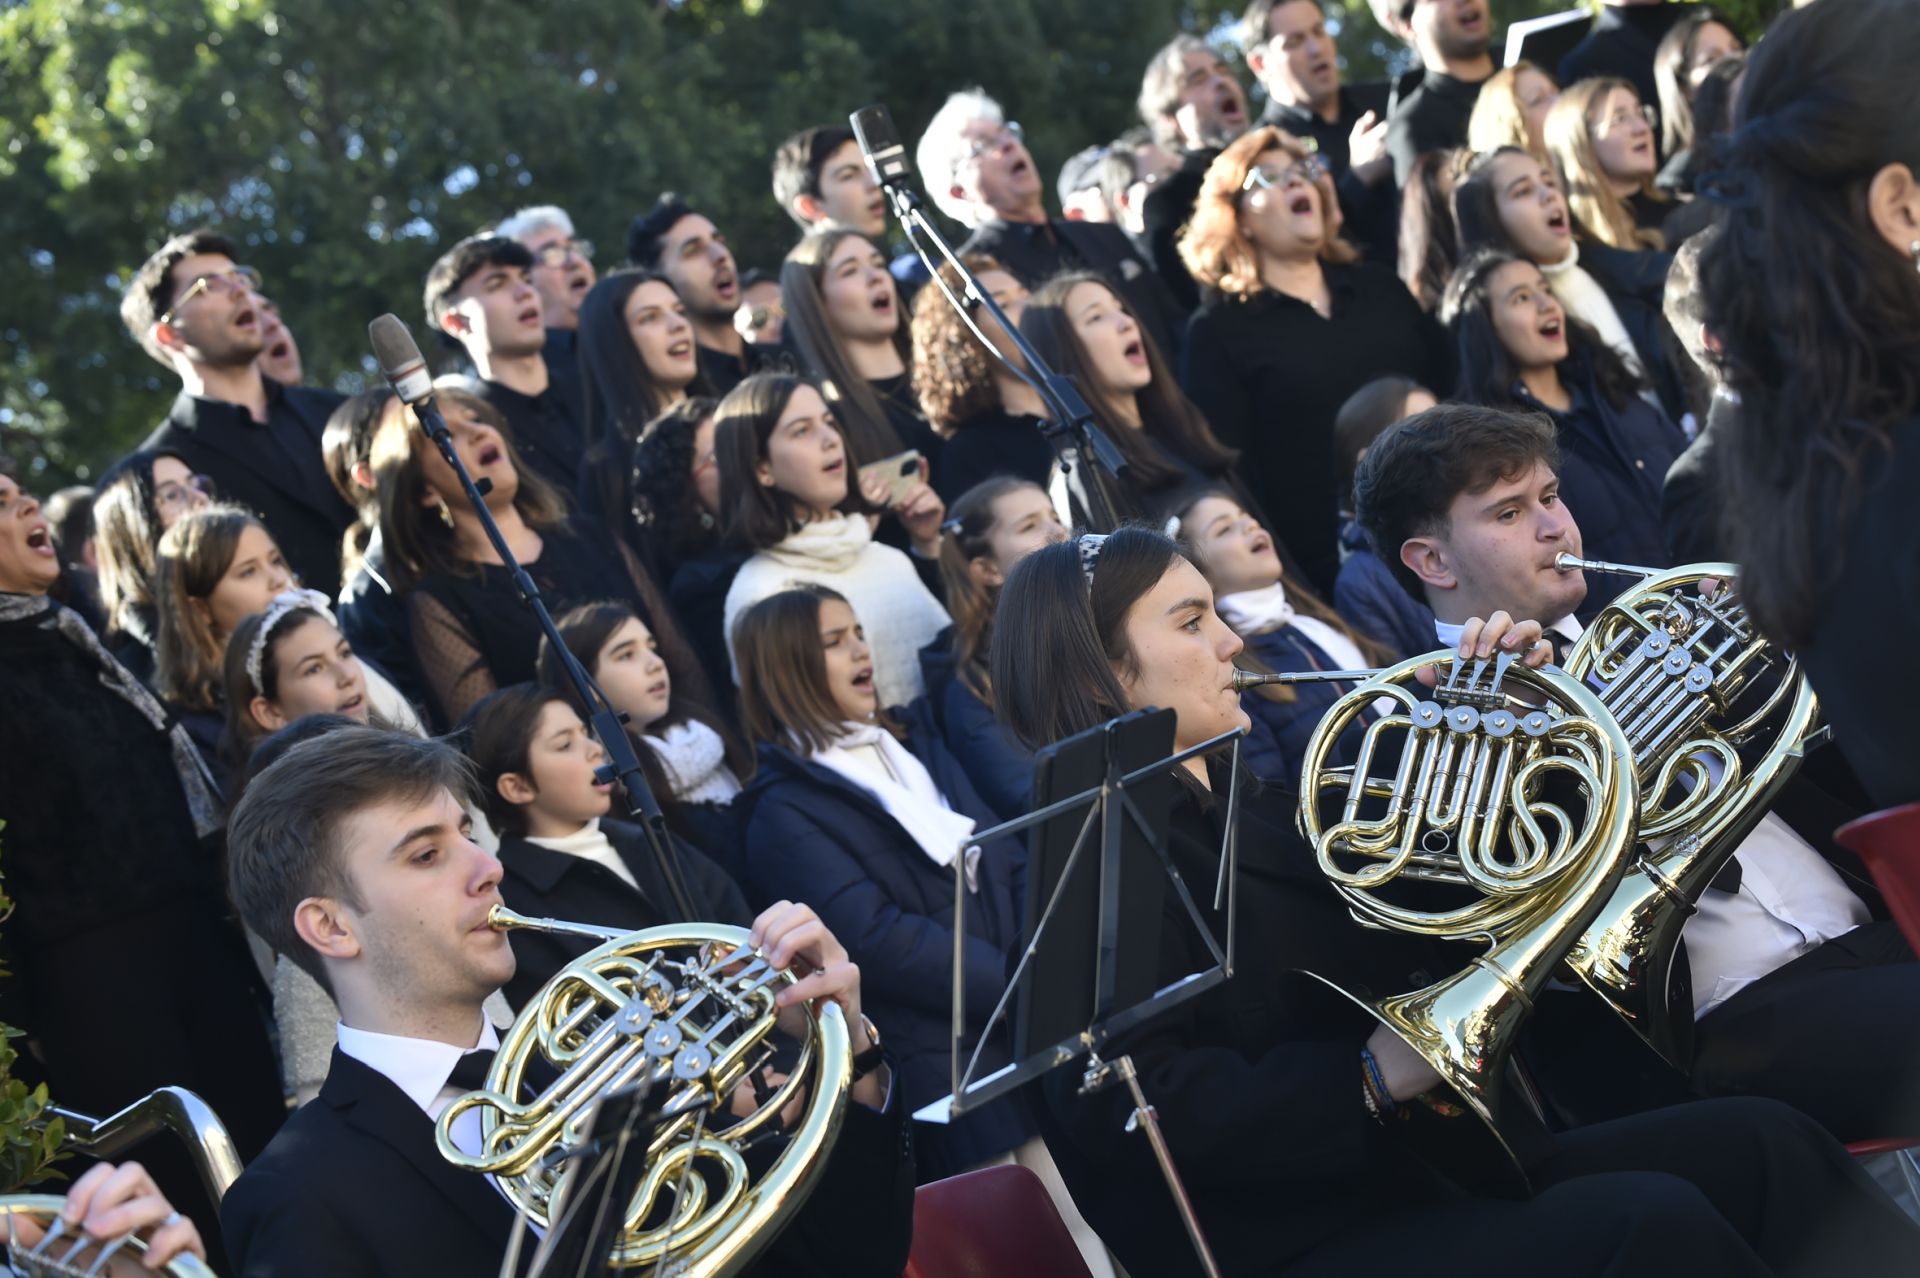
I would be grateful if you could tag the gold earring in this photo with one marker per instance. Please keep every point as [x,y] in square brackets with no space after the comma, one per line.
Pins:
[446,513]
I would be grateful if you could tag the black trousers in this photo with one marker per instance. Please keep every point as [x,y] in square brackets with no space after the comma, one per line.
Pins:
[1835,1034]
[1711,1189]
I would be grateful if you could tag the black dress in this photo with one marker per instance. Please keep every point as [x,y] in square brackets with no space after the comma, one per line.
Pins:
[994,443]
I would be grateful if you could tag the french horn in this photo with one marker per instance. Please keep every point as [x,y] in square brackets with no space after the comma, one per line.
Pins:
[1509,813]
[688,1009]
[1717,720]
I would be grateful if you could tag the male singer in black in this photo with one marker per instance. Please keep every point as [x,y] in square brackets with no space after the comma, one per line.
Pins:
[199,314]
[350,853]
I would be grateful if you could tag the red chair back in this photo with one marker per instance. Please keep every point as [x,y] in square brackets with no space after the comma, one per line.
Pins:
[993,1223]
[1889,842]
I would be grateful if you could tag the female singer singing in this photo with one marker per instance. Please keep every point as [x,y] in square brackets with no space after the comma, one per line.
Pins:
[1267,1086]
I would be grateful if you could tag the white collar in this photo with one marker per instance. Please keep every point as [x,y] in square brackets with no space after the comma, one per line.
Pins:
[1448,632]
[419,1067]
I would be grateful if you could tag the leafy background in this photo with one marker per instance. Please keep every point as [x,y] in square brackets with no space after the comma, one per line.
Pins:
[345,143]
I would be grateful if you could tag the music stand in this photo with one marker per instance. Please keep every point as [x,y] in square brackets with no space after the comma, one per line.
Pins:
[1118,775]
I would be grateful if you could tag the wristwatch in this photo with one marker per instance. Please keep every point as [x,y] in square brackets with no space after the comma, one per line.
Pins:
[868,1061]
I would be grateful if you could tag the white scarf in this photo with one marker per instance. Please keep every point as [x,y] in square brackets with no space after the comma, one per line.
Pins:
[1587,302]
[872,758]
[833,544]
[1259,612]
[694,759]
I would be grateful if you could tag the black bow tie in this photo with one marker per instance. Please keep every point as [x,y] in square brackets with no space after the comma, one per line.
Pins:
[470,1072]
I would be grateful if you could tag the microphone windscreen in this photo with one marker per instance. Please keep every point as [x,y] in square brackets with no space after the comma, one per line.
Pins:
[399,358]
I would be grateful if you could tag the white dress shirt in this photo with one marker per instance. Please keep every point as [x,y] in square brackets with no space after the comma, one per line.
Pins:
[1790,899]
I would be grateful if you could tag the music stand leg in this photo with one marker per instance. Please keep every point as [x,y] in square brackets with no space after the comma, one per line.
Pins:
[1102,1074]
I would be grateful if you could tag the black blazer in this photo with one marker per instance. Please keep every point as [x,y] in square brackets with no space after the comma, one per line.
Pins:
[354,1185]
[281,479]
[548,884]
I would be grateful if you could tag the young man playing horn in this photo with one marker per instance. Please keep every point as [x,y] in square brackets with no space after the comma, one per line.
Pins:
[351,854]
[1793,984]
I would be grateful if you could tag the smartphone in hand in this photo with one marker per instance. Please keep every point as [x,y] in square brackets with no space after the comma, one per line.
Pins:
[898,474]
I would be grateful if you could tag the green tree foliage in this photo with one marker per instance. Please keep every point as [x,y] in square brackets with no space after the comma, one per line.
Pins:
[345,143]
[30,1136]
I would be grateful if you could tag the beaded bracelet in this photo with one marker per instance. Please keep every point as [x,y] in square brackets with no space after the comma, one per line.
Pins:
[1376,1082]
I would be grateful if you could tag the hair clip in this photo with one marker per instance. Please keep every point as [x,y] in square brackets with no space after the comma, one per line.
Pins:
[950,529]
[287,601]
[1089,545]
[1172,529]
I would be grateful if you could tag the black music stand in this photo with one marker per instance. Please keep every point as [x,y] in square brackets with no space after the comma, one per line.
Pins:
[1076,1001]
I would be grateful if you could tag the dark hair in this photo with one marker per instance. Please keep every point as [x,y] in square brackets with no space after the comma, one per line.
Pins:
[660,478]
[1712,117]
[1253,23]
[283,839]
[462,262]
[1669,74]
[753,515]
[126,540]
[970,522]
[797,165]
[1167,416]
[1476,204]
[1487,371]
[585,630]
[192,557]
[1817,315]
[347,442]
[784,699]
[243,730]
[149,294]
[1429,246]
[619,393]
[497,735]
[1059,634]
[644,236]
[70,511]
[418,543]
[1407,483]
[1367,412]
[863,419]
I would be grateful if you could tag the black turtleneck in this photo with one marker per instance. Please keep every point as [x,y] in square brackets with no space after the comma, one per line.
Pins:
[1431,118]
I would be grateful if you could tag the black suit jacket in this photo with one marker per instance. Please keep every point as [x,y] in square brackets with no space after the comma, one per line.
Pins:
[1097,247]
[354,1185]
[274,470]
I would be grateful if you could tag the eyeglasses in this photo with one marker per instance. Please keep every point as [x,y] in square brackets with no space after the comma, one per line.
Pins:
[238,279]
[1007,133]
[1307,170]
[563,252]
[174,496]
[1624,117]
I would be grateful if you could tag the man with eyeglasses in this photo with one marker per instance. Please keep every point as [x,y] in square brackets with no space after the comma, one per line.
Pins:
[1288,47]
[482,294]
[1434,102]
[1621,44]
[562,273]
[1193,105]
[199,314]
[979,172]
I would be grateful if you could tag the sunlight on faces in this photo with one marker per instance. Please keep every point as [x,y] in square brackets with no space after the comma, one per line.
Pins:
[1497,551]
[806,457]
[562,287]
[315,672]
[1527,318]
[849,662]
[1212,107]
[630,670]
[559,789]
[1236,554]
[1285,220]
[662,334]
[1002,176]
[1532,208]
[223,326]
[1298,62]
[706,468]
[497,309]
[861,302]
[256,574]
[1536,94]
[29,561]
[848,194]
[482,451]
[1024,520]
[695,256]
[174,493]
[426,888]
[1710,44]
[1109,338]
[1623,141]
[1182,657]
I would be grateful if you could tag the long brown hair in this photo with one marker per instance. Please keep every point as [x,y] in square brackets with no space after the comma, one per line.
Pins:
[418,542]
[1214,247]
[968,529]
[1166,414]
[126,537]
[193,556]
[784,698]
[863,419]
[753,515]
[1569,137]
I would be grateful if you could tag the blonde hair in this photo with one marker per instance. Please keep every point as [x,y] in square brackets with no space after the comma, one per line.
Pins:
[1569,136]
[1216,251]
[1499,117]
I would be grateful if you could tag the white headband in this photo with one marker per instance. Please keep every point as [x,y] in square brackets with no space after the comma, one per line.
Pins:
[287,601]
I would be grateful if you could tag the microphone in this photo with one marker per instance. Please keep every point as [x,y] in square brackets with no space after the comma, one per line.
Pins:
[400,360]
[1246,679]
[880,143]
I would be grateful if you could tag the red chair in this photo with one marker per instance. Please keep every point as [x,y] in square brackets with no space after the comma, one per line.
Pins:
[1889,842]
[997,1222]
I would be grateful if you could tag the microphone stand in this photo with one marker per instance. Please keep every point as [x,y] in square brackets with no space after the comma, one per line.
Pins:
[607,723]
[1074,434]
